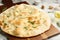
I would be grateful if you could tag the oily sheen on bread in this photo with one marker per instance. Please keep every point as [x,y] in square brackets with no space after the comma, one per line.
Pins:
[24,21]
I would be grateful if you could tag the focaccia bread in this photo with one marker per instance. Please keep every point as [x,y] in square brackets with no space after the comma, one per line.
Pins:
[24,21]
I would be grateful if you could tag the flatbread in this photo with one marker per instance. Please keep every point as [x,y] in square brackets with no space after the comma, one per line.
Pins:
[24,21]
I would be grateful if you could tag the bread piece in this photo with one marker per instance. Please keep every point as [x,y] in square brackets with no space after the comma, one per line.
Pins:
[24,21]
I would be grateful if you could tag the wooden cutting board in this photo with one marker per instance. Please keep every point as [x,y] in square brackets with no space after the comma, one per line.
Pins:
[51,32]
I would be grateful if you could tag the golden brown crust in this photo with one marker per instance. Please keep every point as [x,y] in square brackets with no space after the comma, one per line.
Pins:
[25,21]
